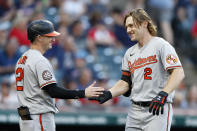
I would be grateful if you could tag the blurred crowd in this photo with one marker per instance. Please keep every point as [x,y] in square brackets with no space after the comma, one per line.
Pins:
[92,43]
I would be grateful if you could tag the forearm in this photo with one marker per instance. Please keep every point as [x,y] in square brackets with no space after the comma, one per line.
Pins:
[57,92]
[174,80]
[119,88]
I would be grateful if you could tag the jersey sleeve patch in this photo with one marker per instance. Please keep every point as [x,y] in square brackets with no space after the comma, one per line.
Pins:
[171,59]
[47,75]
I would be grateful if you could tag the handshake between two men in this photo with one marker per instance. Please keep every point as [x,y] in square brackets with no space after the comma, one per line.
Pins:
[156,106]
[103,98]
[97,93]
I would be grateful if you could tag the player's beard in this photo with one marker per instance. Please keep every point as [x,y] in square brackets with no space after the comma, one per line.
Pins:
[133,37]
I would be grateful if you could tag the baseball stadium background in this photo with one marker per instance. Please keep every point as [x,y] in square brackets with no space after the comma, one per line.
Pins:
[91,46]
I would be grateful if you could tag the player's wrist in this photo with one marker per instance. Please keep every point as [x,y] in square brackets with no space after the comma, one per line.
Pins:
[163,93]
[109,94]
[80,94]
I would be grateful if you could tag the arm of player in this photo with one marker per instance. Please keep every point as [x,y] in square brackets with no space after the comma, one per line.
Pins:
[174,80]
[57,92]
[177,75]
[122,87]
[119,88]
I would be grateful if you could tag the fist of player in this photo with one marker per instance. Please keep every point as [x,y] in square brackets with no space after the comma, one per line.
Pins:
[158,103]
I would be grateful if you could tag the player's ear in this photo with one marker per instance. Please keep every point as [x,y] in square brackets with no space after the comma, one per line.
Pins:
[145,24]
[38,37]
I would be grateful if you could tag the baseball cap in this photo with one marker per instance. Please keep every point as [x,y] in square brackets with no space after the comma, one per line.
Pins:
[43,27]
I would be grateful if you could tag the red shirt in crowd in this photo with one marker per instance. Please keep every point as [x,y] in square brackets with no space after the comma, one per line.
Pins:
[20,35]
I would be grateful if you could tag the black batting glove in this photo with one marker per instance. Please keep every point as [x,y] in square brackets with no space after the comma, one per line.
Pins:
[158,103]
[103,98]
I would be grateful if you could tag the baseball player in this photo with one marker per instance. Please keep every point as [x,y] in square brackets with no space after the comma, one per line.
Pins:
[152,71]
[36,84]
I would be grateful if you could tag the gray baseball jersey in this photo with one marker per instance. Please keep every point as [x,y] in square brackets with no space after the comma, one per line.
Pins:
[33,71]
[148,66]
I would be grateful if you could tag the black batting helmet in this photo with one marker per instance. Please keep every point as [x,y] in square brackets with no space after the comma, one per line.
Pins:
[40,27]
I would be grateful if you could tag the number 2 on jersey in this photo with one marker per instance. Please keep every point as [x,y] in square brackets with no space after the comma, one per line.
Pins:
[19,79]
[147,74]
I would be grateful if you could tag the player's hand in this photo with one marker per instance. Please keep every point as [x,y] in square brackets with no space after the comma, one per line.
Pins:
[92,91]
[103,98]
[158,103]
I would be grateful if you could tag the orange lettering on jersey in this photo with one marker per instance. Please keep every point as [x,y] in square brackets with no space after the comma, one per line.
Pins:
[19,88]
[19,78]
[141,62]
[22,60]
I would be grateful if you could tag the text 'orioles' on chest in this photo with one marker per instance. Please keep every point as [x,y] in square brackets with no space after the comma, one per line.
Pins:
[141,62]
[22,60]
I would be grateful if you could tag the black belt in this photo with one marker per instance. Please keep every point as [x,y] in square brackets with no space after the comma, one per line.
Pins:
[144,104]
